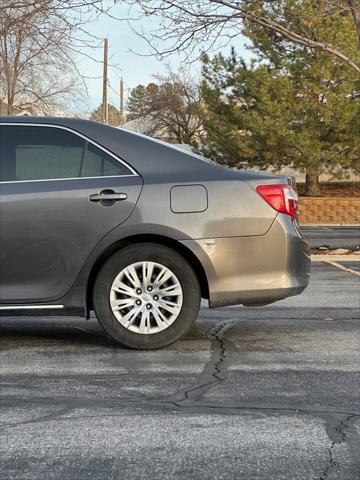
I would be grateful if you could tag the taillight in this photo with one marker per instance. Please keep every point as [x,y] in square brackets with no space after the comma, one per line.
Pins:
[281,197]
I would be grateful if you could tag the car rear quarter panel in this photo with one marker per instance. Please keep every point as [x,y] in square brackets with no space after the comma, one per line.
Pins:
[255,270]
[233,209]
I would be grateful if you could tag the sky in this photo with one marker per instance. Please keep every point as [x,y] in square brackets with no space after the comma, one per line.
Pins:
[134,69]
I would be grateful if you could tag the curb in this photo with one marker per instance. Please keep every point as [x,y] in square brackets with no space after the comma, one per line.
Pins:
[336,225]
[336,258]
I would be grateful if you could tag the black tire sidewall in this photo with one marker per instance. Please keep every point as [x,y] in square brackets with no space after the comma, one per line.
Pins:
[164,256]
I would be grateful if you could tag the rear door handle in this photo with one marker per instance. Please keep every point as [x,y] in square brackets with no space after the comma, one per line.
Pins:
[113,197]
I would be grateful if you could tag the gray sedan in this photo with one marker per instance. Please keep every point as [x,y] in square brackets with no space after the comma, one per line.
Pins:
[97,218]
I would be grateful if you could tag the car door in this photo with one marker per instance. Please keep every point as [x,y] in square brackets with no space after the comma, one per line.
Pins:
[60,194]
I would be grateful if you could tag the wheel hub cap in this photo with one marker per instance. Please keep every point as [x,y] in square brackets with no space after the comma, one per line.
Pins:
[146,297]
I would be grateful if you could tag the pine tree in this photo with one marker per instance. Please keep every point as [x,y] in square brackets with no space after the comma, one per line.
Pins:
[292,107]
[114,115]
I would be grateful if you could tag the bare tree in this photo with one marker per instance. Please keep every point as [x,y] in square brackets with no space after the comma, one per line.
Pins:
[168,108]
[40,41]
[74,13]
[185,25]
[32,54]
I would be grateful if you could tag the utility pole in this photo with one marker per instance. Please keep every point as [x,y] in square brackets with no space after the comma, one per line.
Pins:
[105,100]
[122,108]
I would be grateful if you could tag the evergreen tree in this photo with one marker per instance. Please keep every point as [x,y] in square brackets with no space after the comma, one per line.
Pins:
[114,115]
[141,99]
[293,107]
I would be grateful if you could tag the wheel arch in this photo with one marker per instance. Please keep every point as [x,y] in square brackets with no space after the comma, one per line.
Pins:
[175,245]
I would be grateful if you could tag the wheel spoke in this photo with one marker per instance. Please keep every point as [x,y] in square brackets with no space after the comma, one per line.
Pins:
[148,268]
[160,319]
[162,277]
[121,287]
[172,290]
[171,307]
[145,322]
[121,303]
[130,317]
[132,275]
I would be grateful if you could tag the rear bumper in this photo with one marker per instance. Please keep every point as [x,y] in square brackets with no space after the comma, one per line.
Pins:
[255,270]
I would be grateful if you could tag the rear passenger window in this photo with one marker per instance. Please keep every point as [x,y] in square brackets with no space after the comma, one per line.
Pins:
[98,164]
[41,153]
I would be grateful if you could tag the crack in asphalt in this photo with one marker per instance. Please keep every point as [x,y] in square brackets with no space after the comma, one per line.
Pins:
[214,371]
[74,403]
[339,432]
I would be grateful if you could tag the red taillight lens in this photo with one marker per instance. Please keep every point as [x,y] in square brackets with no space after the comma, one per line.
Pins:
[281,197]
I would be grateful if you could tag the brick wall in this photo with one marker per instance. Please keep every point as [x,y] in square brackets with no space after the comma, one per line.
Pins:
[337,210]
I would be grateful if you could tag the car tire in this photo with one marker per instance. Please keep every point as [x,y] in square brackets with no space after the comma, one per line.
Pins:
[171,313]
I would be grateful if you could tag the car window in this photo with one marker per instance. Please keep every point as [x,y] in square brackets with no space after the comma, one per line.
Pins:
[98,163]
[39,153]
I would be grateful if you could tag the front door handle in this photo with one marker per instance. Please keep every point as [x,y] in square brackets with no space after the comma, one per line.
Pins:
[100,197]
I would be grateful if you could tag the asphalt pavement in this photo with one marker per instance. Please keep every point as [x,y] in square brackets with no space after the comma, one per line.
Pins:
[263,393]
[332,237]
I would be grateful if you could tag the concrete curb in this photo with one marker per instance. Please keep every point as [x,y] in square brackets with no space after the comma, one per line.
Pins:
[337,225]
[335,258]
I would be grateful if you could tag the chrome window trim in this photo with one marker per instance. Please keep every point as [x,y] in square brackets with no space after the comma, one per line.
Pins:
[31,307]
[66,179]
[84,137]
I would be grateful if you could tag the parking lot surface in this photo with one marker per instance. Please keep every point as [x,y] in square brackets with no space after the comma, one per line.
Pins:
[263,393]
[332,236]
